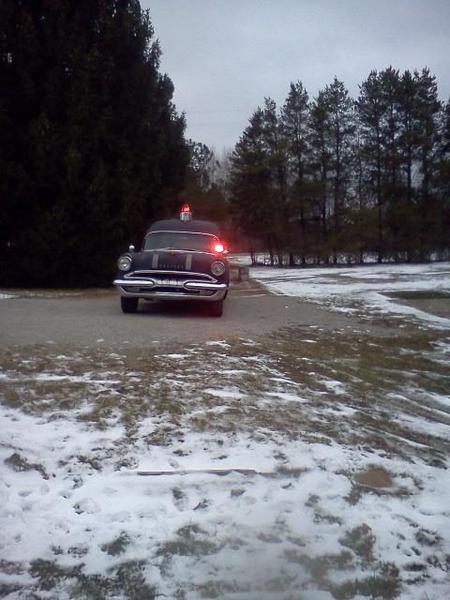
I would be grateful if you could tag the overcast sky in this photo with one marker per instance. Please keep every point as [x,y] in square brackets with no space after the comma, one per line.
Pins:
[225,56]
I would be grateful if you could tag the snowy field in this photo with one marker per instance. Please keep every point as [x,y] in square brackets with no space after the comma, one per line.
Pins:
[306,465]
[368,291]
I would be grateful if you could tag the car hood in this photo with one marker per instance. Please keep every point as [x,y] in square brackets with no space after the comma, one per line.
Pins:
[173,260]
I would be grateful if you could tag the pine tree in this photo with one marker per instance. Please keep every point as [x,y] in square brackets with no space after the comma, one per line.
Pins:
[442,244]
[408,139]
[294,127]
[340,132]
[429,210]
[336,176]
[202,163]
[444,152]
[275,148]
[360,235]
[321,166]
[250,184]
[94,130]
[203,190]
[371,113]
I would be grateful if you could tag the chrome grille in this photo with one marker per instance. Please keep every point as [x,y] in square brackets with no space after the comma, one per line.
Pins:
[157,274]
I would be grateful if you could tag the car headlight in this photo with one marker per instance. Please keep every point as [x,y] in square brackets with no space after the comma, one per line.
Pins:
[124,263]
[218,268]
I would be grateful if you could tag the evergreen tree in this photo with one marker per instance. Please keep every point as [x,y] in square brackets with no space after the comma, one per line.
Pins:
[428,111]
[251,184]
[393,188]
[443,182]
[202,163]
[294,127]
[275,152]
[338,176]
[371,113]
[340,132]
[202,191]
[444,153]
[321,166]
[361,223]
[97,143]
[408,139]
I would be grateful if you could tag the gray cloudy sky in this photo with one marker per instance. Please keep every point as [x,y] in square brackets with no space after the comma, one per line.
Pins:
[225,56]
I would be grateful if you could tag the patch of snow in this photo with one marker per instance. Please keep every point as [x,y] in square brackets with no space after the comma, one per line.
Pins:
[440,399]
[218,343]
[341,288]
[337,387]
[286,396]
[428,427]
[233,371]
[225,394]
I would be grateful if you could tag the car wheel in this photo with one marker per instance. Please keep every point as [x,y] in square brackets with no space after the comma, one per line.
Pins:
[216,308]
[129,305]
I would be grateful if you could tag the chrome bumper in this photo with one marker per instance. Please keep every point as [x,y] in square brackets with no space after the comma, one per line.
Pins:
[185,290]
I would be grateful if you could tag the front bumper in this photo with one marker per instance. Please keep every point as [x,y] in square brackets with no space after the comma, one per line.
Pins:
[155,289]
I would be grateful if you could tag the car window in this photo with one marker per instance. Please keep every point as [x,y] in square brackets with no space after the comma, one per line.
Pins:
[179,241]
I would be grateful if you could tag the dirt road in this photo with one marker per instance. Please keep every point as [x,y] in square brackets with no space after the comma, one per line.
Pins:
[85,318]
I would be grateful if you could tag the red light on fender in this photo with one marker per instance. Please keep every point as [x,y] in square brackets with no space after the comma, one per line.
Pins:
[219,248]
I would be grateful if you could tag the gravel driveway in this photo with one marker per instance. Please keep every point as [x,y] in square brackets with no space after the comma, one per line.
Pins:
[85,317]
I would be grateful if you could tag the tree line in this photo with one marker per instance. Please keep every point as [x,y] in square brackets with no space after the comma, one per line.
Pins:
[335,178]
[91,145]
[92,149]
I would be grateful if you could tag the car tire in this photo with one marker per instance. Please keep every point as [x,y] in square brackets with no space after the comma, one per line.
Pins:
[129,305]
[216,308]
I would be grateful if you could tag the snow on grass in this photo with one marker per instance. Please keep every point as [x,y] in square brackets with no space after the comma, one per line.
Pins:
[279,468]
[362,289]
[440,399]
[225,394]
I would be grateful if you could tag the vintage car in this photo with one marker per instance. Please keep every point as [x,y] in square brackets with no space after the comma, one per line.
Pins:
[181,259]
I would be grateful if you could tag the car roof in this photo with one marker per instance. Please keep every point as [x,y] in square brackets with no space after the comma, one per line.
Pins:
[195,225]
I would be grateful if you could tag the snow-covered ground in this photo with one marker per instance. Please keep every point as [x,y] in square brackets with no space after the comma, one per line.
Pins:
[306,465]
[365,290]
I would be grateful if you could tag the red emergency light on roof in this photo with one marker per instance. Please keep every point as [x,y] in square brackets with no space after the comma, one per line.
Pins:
[186,213]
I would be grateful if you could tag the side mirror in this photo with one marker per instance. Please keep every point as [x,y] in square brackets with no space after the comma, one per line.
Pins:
[131,249]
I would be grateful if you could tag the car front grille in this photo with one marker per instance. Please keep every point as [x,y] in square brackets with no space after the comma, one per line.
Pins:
[171,266]
[168,261]
[181,276]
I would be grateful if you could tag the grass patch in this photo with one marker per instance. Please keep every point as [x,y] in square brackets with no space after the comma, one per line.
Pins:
[125,581]
[190,541]
[20,464]
[385,586]
[361,541]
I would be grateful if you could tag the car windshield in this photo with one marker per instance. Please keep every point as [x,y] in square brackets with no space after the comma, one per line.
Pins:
[179,241]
